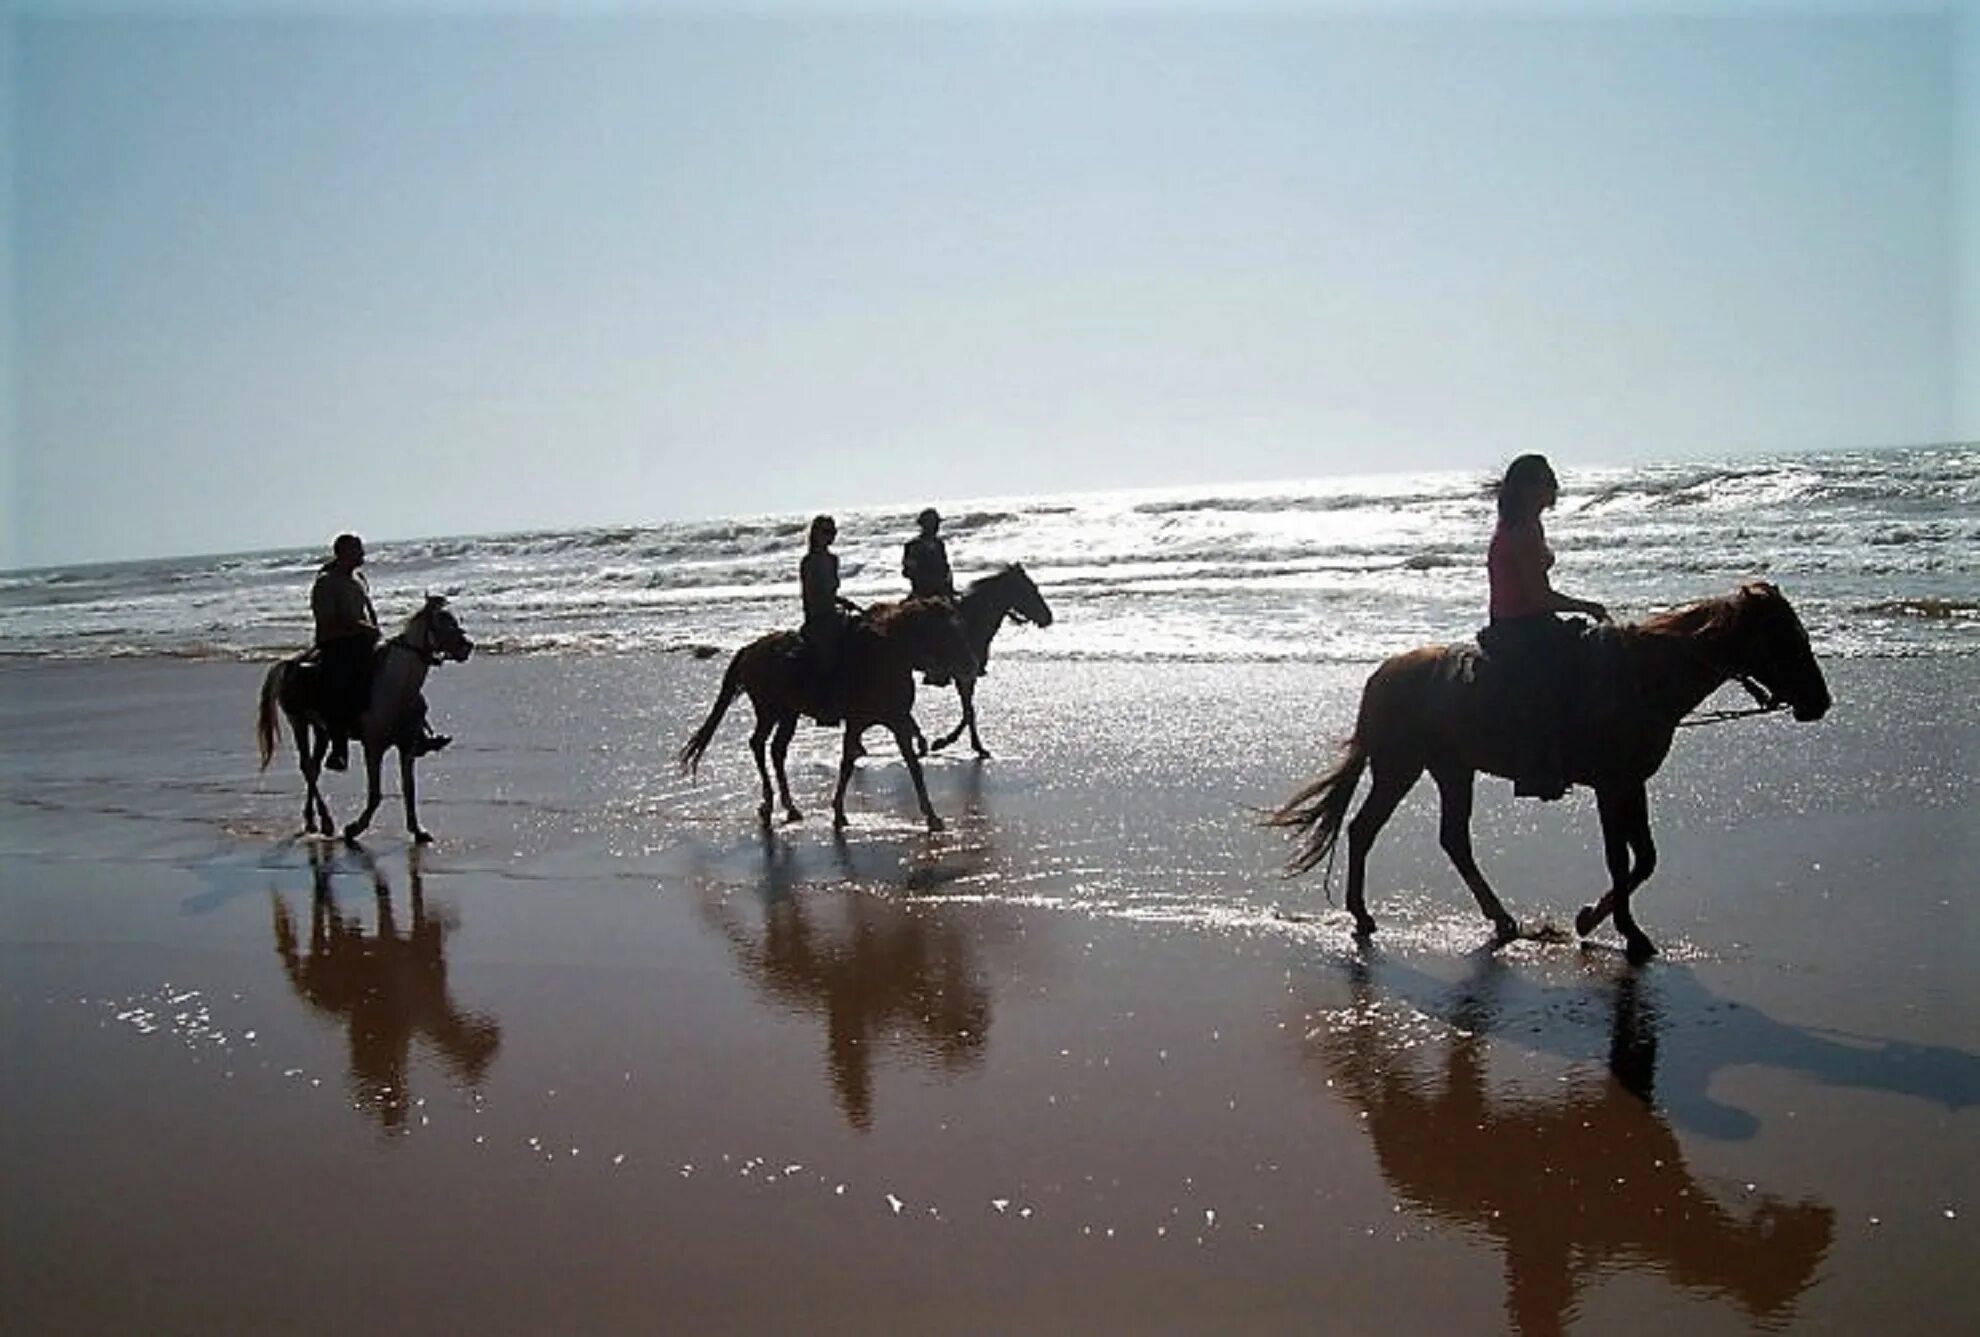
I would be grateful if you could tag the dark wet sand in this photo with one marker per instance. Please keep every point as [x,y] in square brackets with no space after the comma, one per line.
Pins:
[608,1058]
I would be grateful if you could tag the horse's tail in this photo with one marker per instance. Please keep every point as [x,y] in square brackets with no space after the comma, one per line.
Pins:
[1319,809]
[690,754]
[268,720]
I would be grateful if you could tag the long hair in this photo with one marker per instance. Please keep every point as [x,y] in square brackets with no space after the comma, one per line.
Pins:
[1523,475]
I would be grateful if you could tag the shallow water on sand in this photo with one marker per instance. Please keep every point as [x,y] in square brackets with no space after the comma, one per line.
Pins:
[610,1056]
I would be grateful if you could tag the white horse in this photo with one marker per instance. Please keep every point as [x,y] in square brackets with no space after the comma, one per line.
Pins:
[394,717]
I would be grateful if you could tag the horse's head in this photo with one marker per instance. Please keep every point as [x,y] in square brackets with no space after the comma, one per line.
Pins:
[1026,603]
[436,633]
[1766,642]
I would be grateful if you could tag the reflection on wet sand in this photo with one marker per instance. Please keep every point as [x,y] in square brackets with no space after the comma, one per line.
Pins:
[1573,1185]
[388,988]
[886,973]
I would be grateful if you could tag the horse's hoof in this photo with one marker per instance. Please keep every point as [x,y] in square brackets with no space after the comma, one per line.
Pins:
[1505,930]
[792,816]
[1639,949]
[1364,926]
[351,834]
[936,824]
[839,822]
[1586,921]
[422,837]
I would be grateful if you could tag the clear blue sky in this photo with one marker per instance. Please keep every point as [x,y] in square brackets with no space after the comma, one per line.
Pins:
[276,270]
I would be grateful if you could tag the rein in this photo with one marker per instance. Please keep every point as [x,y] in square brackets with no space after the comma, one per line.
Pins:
[427,657]
[1766,703]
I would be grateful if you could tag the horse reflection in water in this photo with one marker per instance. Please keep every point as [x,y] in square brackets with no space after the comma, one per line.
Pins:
[387,988]
[886,974]
[1574,1186]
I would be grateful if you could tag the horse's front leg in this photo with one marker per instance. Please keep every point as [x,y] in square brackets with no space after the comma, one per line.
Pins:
[904,737]
[406,787]
[1454,795]
[967,688]
[1625,812]
[374,757]
[963,693]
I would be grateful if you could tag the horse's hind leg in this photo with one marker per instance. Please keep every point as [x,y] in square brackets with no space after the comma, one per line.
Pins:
[1454,794]
[780,746]
[310,746]
[1391,782]
[757,737]
[1625,815]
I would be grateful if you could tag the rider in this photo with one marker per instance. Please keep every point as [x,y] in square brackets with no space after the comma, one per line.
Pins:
[925,560]
[925,563]
[347,638]
[824,614]
[1525,628]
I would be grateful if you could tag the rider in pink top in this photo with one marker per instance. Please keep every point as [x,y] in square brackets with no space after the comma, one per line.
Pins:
[1525,629]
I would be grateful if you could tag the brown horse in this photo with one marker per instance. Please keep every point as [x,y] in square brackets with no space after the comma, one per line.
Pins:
[983,608]
[1443,709]
[393,718]
[878,657]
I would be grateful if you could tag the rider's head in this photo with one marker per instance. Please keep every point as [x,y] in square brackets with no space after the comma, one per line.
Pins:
[1528,488]
[348,549]
[823,530]
[929,521]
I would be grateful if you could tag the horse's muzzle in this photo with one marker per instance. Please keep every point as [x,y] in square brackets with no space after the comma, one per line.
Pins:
[1808,711]
[467,648]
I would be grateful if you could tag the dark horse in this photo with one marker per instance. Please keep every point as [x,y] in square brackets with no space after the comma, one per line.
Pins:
[983,607]
[392,719]
[1440,709]
[878,657]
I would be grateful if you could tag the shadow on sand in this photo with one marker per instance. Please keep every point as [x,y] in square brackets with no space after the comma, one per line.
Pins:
[387,988]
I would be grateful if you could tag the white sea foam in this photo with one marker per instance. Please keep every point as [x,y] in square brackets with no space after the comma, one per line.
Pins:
[1327,570]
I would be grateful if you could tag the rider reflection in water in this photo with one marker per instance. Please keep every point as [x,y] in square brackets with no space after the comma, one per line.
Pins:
[1525,629]
[346,643]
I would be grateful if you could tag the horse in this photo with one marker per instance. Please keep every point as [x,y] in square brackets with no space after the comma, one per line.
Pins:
[879,654]
[1441,709]
[983,606]
[392,719]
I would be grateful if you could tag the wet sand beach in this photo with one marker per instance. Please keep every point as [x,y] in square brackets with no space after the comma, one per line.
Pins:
[610,1057]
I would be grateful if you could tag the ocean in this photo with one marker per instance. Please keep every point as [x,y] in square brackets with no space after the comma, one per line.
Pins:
[1879,550]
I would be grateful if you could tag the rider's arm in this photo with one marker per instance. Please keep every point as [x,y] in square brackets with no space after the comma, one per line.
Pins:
[1527,563]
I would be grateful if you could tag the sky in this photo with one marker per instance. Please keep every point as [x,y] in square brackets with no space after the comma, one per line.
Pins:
[277,270]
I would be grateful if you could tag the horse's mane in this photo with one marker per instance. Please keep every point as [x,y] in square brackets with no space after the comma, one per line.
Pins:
[981,581]
[1705,618]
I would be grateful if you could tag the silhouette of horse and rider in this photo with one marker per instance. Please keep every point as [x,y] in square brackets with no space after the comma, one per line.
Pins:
[1547,704]
[856,666]
[1542,701]
[350,684]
